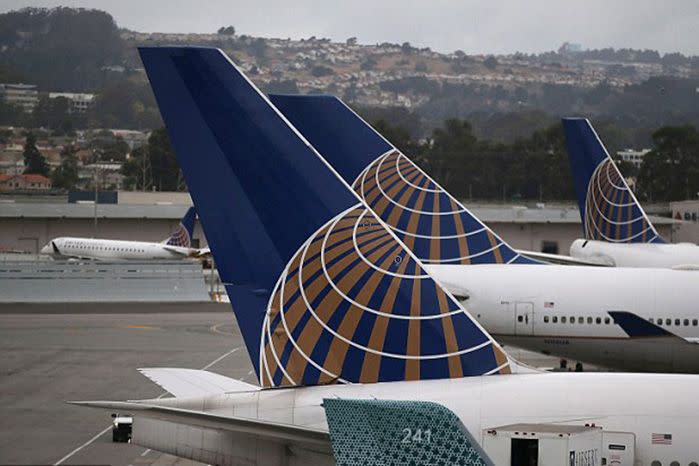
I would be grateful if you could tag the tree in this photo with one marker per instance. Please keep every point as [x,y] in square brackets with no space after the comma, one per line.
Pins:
[65,176]
[227,30]
[164,167]
[137,170]
[34,161]
[60,48]
[287,86]
[670,172]
[12,115]
[491,62]
[53,113]
[320,70]
[450,157]
[258,49]
[368,64]
[399,137]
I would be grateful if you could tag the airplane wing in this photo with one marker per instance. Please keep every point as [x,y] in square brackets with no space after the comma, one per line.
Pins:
[186,383]
[264,430]
[360,431]
[637,327]
[565,260]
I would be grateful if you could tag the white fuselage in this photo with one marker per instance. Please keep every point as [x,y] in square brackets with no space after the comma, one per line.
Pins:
[563,310]
[108,249]
[636,254]
[642,404]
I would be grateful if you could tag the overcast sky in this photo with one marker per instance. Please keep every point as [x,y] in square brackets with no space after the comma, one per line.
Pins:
[444,25]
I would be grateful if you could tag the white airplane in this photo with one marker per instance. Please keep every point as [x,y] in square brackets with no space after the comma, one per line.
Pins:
[549,309]
[616,229]
[332,305]
[177,246]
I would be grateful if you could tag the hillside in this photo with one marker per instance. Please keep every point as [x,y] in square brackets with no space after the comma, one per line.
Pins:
[505,97]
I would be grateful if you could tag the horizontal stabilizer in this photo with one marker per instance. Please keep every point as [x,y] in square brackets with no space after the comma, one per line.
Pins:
[265,430]
[637,327]
[175,250]
[186,383]
[565,260]
[399,432]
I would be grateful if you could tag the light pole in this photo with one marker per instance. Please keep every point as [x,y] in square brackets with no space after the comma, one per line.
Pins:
[96,183]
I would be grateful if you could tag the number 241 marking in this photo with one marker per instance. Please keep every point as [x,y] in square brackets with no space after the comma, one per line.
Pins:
[416,436]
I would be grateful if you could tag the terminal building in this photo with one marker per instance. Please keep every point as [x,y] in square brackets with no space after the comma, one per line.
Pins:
[28,226]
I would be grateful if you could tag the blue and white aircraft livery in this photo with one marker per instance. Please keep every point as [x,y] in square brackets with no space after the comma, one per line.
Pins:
[616,229]
[520,305]
[177,246]
[331,304]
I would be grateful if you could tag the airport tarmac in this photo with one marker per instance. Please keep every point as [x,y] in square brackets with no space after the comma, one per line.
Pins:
[50,358]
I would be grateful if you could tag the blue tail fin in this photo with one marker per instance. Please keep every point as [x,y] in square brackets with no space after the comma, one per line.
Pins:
[432,223]
[383,432]
[608,208]
[182,236]
[322,291]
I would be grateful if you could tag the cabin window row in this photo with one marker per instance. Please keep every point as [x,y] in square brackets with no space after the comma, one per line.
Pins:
[608,320]
[104,248]
[677,322]
[580,320]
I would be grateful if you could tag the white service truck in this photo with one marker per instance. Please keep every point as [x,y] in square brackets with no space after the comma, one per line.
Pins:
[558,445]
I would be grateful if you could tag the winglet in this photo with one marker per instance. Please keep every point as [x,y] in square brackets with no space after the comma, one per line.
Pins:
[399,432]
[608,208]
[637,327]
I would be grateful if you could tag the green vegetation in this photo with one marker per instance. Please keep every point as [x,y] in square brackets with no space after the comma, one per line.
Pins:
[65,176]
[60,48]
[670,172]
[536,167]
[154,166]
[479,140]
[34,161]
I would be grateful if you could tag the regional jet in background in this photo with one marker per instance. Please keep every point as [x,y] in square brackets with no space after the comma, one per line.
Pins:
[177,246]
[554,309]
[331,305]
[616,229]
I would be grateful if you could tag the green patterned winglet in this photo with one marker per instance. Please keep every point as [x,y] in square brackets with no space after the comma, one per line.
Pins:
[385,432]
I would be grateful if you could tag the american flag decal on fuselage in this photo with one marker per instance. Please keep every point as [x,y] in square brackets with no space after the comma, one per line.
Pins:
[353,301]
[661,439]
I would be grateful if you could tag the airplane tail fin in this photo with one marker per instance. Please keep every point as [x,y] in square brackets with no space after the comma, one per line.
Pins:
[437,227]
[608,208]
[182,235]
[399,432]
[323,292]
